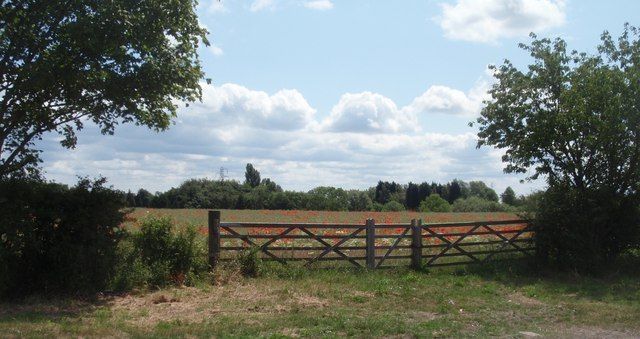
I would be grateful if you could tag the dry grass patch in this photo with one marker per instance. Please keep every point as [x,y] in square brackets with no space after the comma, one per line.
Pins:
[521,299]
[193,305]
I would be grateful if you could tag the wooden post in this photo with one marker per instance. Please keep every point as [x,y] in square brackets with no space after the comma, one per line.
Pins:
[416,244]
[371,243]
[214,238]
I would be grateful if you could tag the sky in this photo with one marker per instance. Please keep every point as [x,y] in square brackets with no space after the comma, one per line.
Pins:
[340,93]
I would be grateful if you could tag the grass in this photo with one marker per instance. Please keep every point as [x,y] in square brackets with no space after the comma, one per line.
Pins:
[503,299]
[500,300]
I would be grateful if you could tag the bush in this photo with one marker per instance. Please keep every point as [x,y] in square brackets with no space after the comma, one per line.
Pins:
[250,262]
[158,256]
[585,230]
[392,206]
[434,203]
[476,204]
[55,239]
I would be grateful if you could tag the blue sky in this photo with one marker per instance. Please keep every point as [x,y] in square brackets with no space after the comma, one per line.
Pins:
[342,93]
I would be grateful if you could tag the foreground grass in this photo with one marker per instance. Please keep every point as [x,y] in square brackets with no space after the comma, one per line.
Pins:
[496,301]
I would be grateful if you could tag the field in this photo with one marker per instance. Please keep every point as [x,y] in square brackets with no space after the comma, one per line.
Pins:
[297,245]
[506,299]
[198,217]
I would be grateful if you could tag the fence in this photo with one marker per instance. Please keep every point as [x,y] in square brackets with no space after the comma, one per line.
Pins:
[370,244]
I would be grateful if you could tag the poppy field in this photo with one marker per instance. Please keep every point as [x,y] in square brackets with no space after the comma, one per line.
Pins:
[198,217]
[299,244]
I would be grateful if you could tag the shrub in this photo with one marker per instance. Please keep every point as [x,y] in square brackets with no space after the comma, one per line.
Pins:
[476,204]
[55,239]
[158,256]
[250,262]
[434,203]
[392,206]
[359,201]
[585,230]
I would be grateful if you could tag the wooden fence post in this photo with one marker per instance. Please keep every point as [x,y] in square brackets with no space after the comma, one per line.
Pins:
[371,243]
[214,238]
[416,244]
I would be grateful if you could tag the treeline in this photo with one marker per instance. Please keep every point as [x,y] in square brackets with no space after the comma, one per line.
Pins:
[257,193]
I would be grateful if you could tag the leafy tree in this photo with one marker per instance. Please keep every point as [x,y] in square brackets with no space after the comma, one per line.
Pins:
[424,190]
[359,201]
[326,198]
[251,176]
[66,63]
[258,198]
[382,192]
[509,197]
[298,199]
[412,197]
[280,201]
[130,199]
[398,196]
[476,204]
[270,185]
[377,207]
[455,191]
[434,203]
[143,198]
[385,192]
[481,190]
[574,118]
[392,206]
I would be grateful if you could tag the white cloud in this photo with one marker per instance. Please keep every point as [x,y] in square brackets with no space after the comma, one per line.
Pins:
[282,136]
[489,20]
[259,5]
[321,5]
[215,49]
[446,100]
[368,112]
[232,104]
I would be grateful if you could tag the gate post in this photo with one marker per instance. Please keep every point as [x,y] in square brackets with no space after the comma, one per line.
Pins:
[371,243]
[416,244]
[214,238]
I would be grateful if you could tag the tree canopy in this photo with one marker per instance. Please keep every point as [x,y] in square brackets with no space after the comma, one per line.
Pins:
[251,176]
[572,117]
[66,63]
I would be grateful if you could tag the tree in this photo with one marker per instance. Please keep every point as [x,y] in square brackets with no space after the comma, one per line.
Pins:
[130,199]
[455,191]
[251,176]
[434,203]
[509,197]
[481,190]
[280,201]
[574,118]
[325,198]
[392,206]
[66,63]
[412,197]
[424,191]
[476,204]
[359,201]
[382,192]
[143,198]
